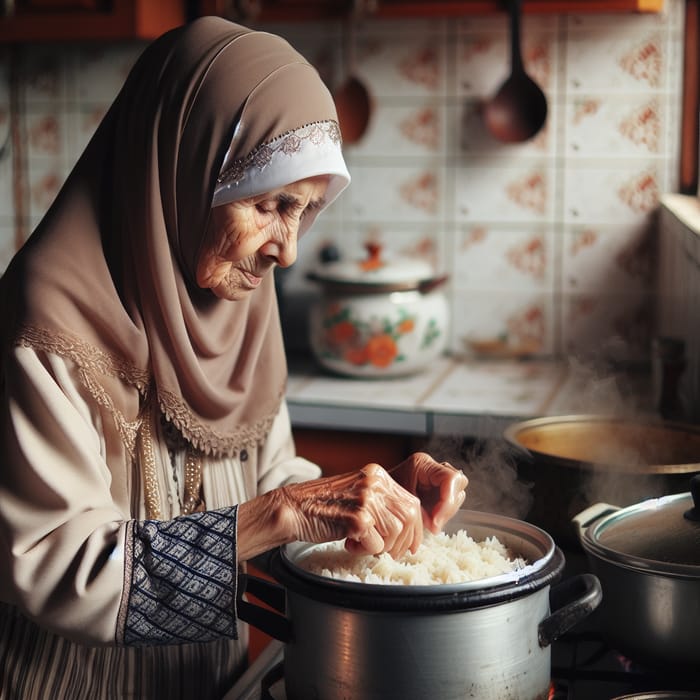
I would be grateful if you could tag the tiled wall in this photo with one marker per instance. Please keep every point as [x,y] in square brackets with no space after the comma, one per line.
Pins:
[549,245]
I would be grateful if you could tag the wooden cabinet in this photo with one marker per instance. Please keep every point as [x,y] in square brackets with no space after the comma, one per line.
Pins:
[304,10]
[72,20]
[339,451]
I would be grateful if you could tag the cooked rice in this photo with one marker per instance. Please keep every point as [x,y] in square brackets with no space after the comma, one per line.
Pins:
[441,558]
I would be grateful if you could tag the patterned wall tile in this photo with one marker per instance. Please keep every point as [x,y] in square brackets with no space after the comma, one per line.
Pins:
[503,259]
[407,130]
[7,243]
[483,55]
[604,259]
[500,324]
[613,126]
[626,56]
[513,193]
[100,70]
[598,193]
[412,191]
[393,67]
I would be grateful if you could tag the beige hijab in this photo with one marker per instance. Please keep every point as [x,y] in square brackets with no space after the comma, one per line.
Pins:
[107,279]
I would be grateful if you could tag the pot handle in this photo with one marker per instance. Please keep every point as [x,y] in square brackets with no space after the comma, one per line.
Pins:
[265,620]
[587,594]
[590,515]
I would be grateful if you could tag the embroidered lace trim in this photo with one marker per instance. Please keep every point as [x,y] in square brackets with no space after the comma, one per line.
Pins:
[207,440]
[93,362]
[288,143]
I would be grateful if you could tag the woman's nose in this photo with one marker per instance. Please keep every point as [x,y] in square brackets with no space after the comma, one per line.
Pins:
[283,251]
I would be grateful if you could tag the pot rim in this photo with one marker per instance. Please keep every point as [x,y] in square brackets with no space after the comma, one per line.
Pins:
[515,534]
[512,431]
[359,288]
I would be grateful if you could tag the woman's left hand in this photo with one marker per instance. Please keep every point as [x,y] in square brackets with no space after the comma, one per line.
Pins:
[439,486]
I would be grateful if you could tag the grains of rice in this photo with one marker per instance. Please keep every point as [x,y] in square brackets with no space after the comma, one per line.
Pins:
[441,558]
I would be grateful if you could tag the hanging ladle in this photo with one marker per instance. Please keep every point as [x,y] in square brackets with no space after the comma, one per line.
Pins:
[353,102]
[519,109]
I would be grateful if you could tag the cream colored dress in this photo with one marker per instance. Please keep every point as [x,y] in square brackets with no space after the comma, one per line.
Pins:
[98,601]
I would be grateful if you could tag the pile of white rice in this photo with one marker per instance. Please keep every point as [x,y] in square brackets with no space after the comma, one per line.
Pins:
[441,558]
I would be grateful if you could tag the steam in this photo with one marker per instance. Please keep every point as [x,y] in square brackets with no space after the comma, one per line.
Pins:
[489,465]
[600,389]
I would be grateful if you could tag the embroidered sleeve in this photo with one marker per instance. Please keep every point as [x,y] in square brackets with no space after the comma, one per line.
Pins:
[181,586]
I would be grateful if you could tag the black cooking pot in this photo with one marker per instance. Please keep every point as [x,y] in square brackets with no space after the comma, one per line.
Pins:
[647,557]
[576,461]
[360,641]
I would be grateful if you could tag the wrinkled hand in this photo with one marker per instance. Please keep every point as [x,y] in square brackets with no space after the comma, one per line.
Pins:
[439,486]
[369,508]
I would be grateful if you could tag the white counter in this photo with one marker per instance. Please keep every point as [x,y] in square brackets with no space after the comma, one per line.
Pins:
[468,397]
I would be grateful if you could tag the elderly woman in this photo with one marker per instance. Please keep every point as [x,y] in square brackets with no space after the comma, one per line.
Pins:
[146,446]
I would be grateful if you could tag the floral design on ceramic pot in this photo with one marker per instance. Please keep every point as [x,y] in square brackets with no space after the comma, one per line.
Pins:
[375,341]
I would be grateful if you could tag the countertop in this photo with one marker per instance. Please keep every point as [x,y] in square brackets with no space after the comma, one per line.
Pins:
[460,396]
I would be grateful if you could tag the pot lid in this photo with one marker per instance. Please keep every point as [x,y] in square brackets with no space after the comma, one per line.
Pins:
[376,269]
[660,535]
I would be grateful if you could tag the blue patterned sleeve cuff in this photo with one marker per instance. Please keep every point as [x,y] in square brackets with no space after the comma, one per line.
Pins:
[182,584]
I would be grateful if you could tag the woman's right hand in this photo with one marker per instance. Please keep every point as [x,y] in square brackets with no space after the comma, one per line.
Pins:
[368,507]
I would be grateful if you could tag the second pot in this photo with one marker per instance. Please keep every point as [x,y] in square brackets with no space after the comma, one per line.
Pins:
[647,557]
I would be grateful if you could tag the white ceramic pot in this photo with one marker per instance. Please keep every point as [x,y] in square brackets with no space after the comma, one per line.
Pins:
[378,317]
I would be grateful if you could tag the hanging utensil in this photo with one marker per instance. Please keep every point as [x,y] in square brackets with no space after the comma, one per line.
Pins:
[352,99]
[518,110]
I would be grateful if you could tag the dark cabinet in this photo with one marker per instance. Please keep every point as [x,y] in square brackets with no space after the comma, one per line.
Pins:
[304,10]
[339,451]
[72,20]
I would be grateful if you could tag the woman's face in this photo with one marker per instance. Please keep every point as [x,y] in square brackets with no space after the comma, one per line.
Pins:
[247,238]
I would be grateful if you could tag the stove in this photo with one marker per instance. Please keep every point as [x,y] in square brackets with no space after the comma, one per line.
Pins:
[584,667]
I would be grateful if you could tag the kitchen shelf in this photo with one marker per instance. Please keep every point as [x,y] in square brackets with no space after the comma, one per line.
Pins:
[407,8]
[75,20]
[305,10]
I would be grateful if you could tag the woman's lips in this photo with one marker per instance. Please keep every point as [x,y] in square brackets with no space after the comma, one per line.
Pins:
[253,280]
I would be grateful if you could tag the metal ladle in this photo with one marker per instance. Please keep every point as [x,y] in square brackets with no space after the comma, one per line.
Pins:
[353,102]
[518,110]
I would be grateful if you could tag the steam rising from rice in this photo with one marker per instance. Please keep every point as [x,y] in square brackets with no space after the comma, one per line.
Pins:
[441,558]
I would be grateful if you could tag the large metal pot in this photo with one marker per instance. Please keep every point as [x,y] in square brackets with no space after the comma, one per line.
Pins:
[487,639]
[378,317]
[575,461]
[647,557]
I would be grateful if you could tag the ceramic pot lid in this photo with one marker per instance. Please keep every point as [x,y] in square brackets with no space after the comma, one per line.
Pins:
[376,269]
